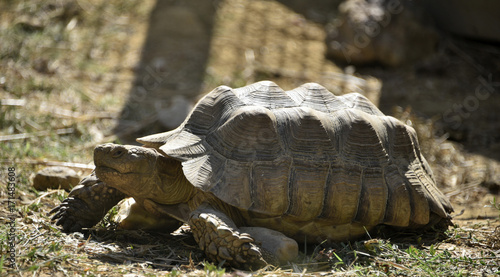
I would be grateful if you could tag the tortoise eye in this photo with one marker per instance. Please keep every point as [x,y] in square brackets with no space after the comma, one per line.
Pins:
[117,153]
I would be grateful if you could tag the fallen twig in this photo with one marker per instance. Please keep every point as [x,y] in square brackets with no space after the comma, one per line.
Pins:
[37,200]
[63,131]
[13,102]
[53,163]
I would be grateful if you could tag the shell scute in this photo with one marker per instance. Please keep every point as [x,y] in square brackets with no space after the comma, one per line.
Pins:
[316,97]
[265,94]
[270,187]
[373,198]
[249,134]
[303,134]
[235,184]
[214,108]
[398,209]
[361,143]
[342,193]
[307,189]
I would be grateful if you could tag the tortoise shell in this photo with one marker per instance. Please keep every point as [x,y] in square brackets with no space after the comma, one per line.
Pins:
[305,154]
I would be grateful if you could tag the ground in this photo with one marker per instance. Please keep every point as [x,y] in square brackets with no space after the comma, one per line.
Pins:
[77,73]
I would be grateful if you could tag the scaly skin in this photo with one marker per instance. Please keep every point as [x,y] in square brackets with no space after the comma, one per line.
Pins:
[217,235]
[86,204]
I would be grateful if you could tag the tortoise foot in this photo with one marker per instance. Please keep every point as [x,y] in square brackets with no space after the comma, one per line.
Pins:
[224,243]
[71,217]
[86,205]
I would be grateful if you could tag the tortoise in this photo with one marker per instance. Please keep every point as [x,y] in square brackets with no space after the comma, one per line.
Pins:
[256,170]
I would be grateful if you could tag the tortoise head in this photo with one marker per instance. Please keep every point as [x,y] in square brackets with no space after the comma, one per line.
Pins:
[142,173]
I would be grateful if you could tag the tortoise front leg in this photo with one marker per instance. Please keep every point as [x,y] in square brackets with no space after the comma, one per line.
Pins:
[218,236]
[86,204]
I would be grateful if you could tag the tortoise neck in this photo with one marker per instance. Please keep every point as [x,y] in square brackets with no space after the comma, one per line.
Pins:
[201,197]
[181,189]
[174,185]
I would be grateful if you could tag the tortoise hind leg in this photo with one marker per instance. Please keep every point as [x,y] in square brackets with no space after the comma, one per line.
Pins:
[86,204]
[221,240]
[275,246]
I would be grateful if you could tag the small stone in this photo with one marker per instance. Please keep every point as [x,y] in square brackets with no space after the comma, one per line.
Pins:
[56,177]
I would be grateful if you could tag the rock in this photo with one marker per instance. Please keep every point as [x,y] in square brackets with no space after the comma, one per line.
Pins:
[56,177]
[379,31]
[471,19]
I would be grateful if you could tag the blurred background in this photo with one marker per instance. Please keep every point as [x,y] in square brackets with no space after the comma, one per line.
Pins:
[77,73]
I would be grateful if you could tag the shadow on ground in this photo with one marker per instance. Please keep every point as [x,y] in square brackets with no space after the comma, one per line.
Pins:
[171,69]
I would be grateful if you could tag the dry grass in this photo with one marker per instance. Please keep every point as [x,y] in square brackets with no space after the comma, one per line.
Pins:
[65,70]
